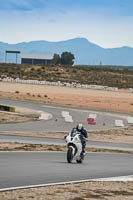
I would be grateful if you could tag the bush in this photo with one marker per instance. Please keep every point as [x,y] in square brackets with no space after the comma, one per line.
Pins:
[17,92]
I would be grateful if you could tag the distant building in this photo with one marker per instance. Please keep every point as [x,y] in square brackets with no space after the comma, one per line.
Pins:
[12,52]
[34,59]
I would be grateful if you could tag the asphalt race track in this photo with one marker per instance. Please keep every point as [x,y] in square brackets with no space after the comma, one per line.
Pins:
[35,168]
[78,115]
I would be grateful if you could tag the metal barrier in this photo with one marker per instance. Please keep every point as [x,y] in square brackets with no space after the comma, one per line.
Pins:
[7,108]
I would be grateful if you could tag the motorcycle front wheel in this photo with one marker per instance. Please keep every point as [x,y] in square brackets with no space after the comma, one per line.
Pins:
[69,154]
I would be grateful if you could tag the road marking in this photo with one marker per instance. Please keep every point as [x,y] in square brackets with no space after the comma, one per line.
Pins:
[74,109]
[119,178]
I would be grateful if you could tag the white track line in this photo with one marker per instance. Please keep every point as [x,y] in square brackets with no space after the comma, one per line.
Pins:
[74,109]
[120,178]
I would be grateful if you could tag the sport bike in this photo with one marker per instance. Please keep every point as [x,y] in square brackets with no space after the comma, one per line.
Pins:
[74,151]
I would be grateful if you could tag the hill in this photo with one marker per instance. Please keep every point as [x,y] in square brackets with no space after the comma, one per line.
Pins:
[86,53]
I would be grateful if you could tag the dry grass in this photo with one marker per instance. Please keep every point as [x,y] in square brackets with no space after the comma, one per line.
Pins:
[120,135]
[20,115]
[80,191]
[100,75]
[6,117]
[14,146]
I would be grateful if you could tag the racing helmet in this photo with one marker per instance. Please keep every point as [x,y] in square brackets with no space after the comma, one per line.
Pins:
[79,126]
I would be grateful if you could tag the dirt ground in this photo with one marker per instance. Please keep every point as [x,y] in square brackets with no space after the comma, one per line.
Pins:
[14,146]
[80,191]
[20,115]
[7,117]
[120,100]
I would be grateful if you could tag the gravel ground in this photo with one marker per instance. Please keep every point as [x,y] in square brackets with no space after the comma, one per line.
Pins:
[80,191]
[20,115]
[120,100]
[14,146]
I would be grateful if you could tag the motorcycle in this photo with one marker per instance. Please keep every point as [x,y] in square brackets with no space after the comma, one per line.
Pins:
[74,145]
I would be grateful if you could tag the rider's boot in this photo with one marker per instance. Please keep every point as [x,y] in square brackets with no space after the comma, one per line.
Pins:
[83,151]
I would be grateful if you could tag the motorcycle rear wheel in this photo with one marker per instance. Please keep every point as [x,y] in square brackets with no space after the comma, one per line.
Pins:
[69,155]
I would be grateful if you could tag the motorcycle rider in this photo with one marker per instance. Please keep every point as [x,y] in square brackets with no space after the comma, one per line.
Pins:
[83,135]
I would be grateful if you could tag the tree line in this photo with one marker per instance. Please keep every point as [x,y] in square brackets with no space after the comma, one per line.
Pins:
[66,58]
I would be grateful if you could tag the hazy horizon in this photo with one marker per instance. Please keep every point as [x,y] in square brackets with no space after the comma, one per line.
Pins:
[63,41]
[107,23]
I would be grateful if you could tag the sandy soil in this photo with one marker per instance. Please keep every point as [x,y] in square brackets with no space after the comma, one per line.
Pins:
[6,117]
[14,146]
[81,191]
[20,115]
[121,100]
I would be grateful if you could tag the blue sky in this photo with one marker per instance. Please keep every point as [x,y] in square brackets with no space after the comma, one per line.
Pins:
[108,23]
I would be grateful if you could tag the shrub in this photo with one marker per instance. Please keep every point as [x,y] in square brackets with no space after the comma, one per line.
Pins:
[17,92]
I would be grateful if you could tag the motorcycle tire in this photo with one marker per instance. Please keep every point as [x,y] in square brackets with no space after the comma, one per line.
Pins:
[79,161]
[69,155]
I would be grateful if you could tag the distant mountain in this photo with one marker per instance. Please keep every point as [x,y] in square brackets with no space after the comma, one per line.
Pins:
[86,53]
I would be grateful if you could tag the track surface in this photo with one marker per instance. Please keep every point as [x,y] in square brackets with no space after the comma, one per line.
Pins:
[78,115]
[33,168]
